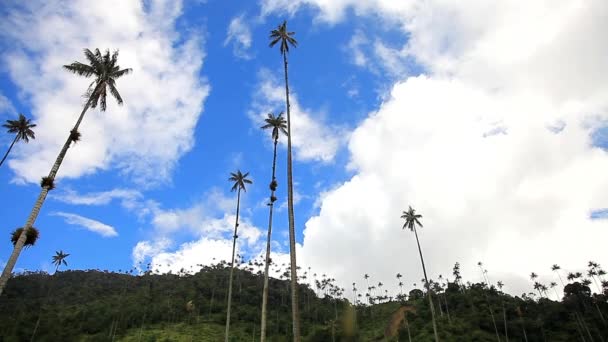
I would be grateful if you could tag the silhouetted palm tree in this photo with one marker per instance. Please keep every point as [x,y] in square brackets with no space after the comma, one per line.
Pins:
[555,268]
[499,284]
[484,274]
[239,180]
[285,38]
[411,221]
[278,126]
[22,128]
[105,69]
[59,259]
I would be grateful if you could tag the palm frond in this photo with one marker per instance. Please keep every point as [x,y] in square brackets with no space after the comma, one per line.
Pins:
[80,69]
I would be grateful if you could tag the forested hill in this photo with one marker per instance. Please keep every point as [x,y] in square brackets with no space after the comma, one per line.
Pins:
[103,306]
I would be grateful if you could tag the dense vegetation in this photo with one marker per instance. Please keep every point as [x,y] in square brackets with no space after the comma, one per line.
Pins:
[97,305]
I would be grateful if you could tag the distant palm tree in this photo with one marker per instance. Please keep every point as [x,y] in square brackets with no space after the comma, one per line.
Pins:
[278,126]
[105,69]
[499,284]
[22,128]
[239,180]
[555,268]
[484,274]
[285,38]
[59,259]
[411,221]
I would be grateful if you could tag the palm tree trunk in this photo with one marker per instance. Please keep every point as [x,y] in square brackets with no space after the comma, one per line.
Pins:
[428,288]
[234,237]
[295,315]
[504,319]
[8,269]
[9,149]
[267,266]
[523,327]
[407,324]
[447,308]
[46,298]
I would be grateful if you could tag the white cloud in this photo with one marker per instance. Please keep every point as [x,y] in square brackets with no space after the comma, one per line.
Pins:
[88,224]
[6,106]
[192,254]
[311,137]
[519,201]
[239,34]
[209,222]
[97,198]
[145,249]
[355,47]
[163,96]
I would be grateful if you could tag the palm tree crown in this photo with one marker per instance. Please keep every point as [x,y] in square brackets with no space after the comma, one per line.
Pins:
[22,127]
[105,70]
[59,258]
[281,34]
[277,123]
[411,219]
[239,180]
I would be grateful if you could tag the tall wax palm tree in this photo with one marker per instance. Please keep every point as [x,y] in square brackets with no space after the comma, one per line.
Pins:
[555,268]
[411,221]
[278,126]
[58,260]
[105,69]
[484,274]
[238,180]
[22,128]
[285,38]
[499,284]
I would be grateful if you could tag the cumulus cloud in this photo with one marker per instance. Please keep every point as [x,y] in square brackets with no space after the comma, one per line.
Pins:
[209,223]
[311,137]
[473,145]
[88,224]
[163,96]
[239,34]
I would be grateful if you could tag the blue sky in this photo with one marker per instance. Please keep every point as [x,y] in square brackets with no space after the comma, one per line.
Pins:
[394,104]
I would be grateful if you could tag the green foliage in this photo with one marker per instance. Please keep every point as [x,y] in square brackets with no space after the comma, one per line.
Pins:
[94,305]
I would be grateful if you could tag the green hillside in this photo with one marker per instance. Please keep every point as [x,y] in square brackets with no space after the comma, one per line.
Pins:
[103,306]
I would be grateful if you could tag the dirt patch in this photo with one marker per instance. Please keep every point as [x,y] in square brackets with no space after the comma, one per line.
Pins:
[397,318]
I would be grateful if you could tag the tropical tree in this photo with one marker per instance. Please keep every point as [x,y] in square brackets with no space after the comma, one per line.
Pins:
[411,221]
[58,260]
[105,69]
[278,126]
[238,180]
[555,268]
[285,38]
[22,128]
[500,285]
[484,274]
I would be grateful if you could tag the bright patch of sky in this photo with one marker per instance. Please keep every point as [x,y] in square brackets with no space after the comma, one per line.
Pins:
[488,120]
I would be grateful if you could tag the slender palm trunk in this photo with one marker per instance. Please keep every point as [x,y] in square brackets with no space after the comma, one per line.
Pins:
[447,308]
[8,269]
[295,314]
[523,327]
[504,319]
[428,288]
[234,237]
[267,266]
[407,324]
[9,149]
